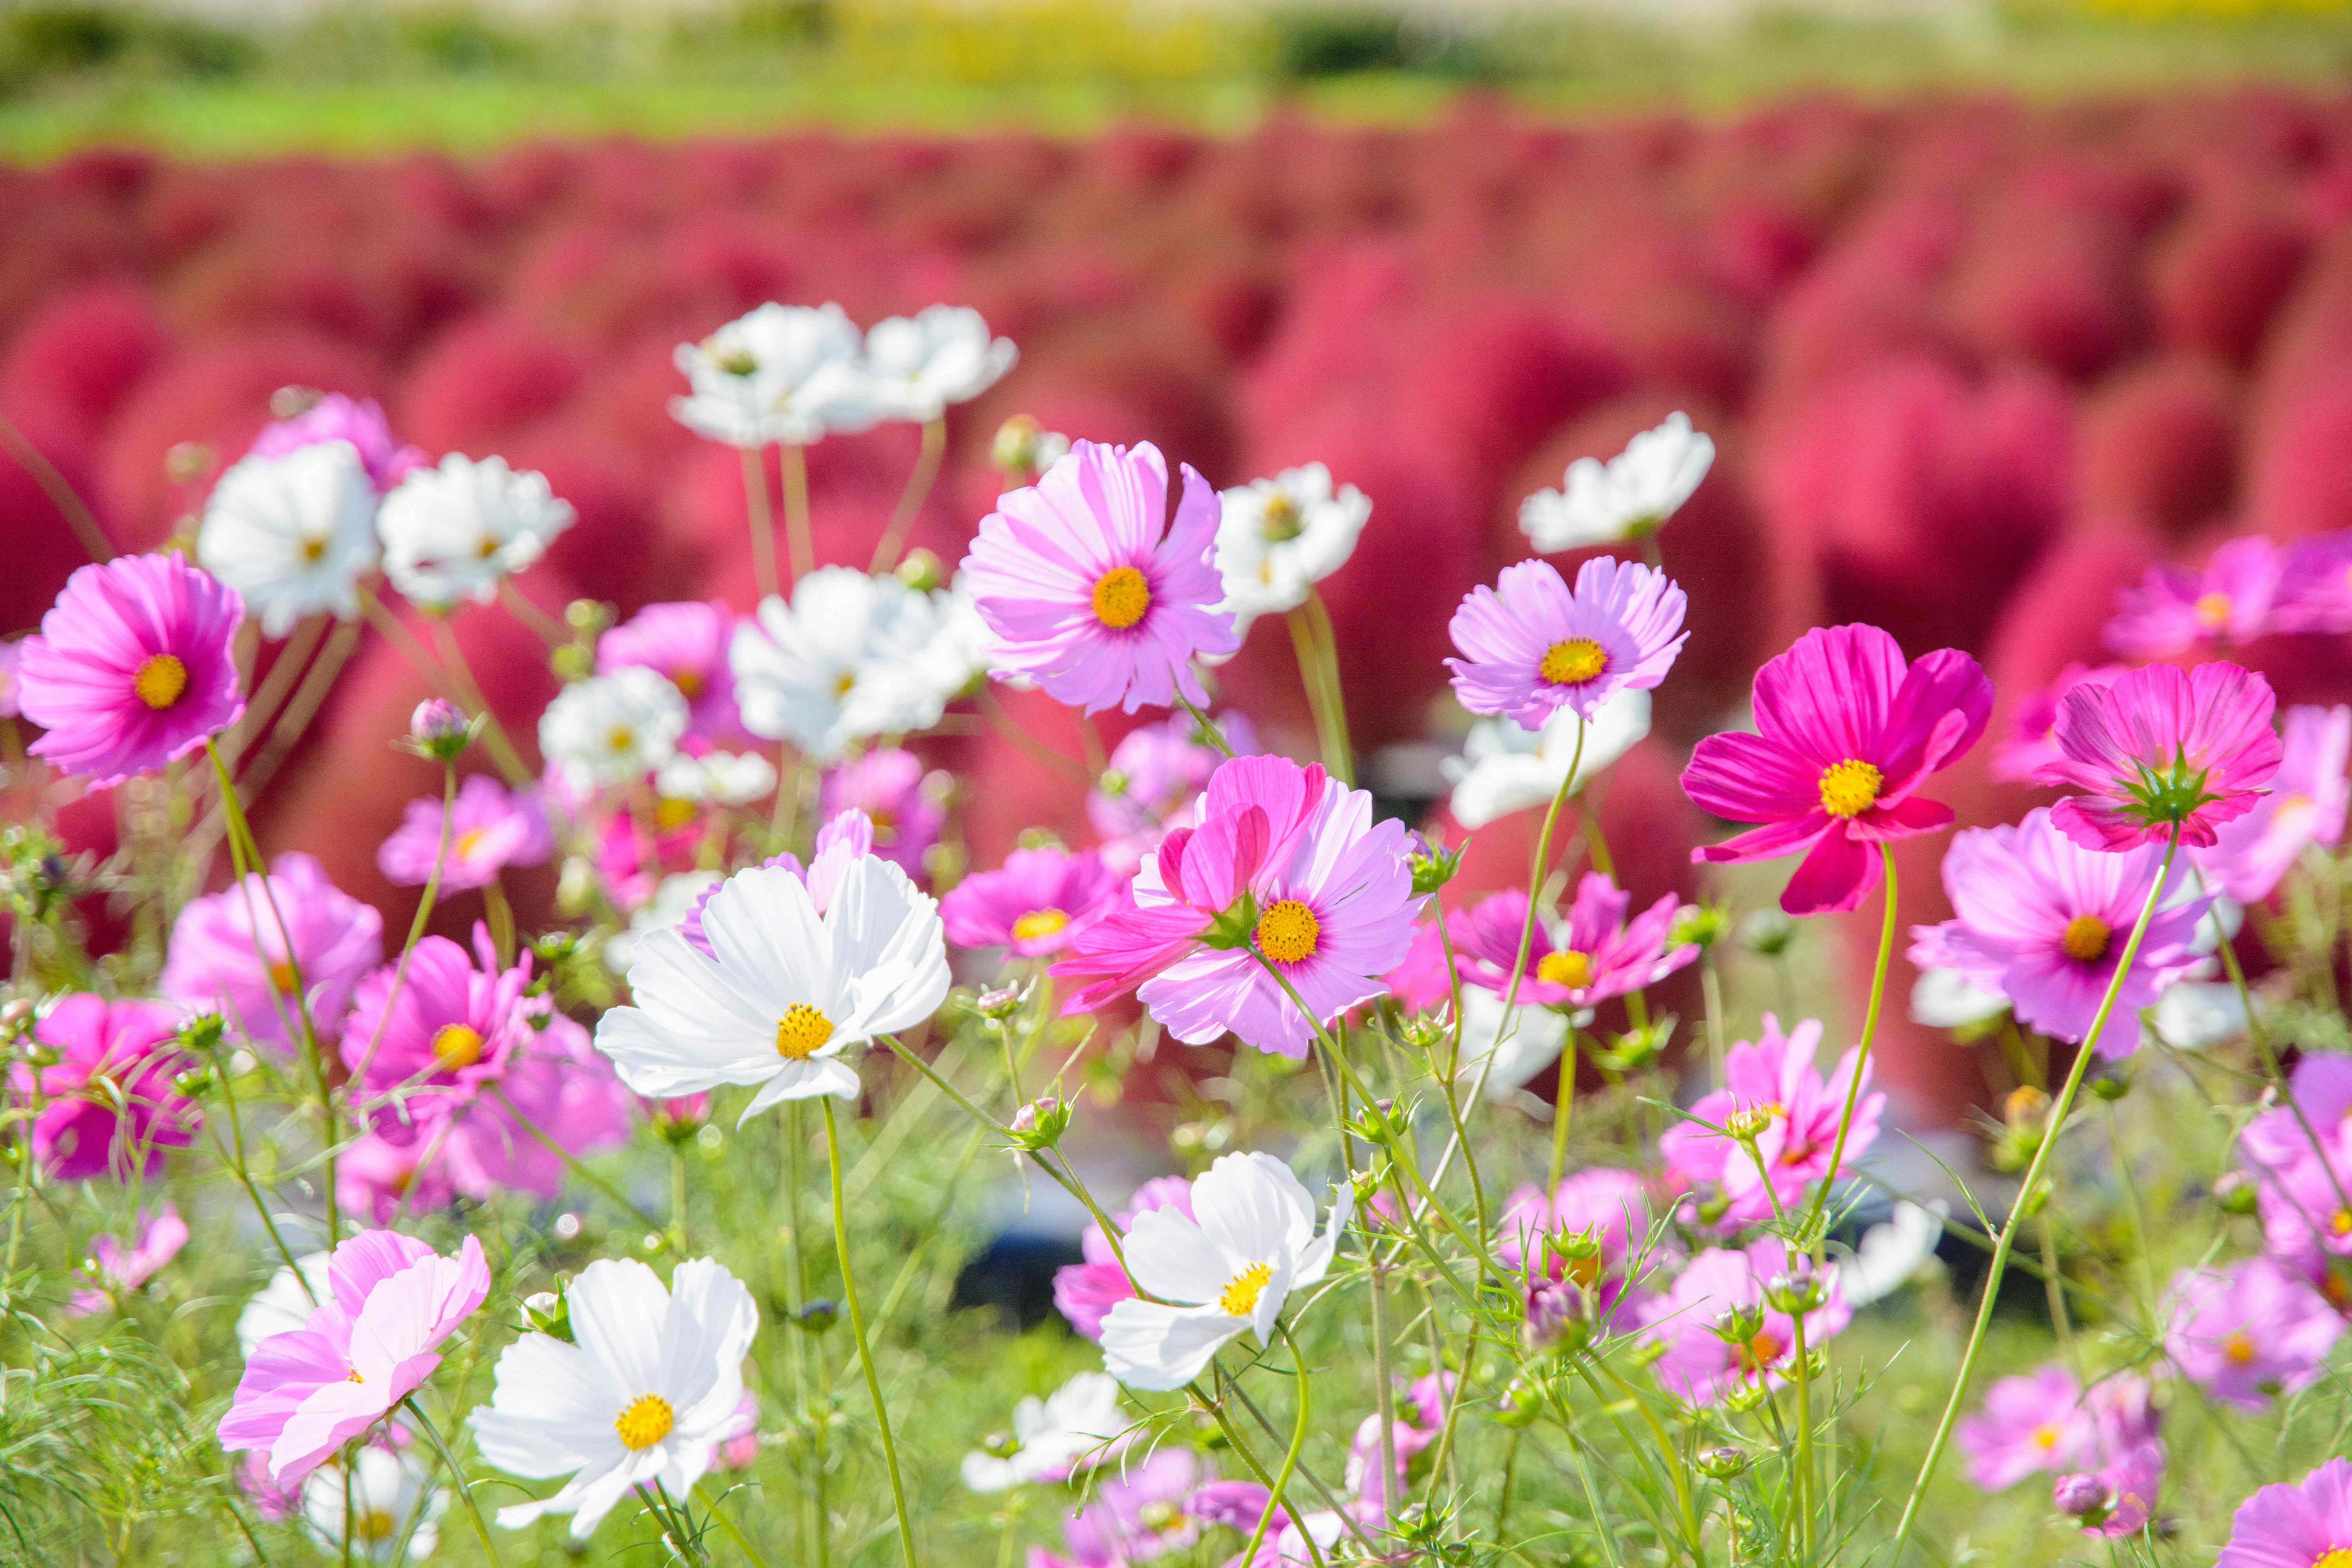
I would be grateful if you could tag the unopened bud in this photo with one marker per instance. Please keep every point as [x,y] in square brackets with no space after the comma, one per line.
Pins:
[818,1315]
[201,1033]
[2082,1497]
[440,729]
[194,1083]
[921,570]
[1738,1325]
[1040,1123]
[1698,925]
[1558,1317]
[548,1312]
[1000,1445]
[1749,1123]
[1015,449]
[1519,1404]
[16,1014]
[293,402]
[2112,1085]
[1000,1004]
[588,617]
[1767,932]
[1722,1464]
[681,1120]
[2235,1194]
[1797,1292]
[572,662]
[1436,865]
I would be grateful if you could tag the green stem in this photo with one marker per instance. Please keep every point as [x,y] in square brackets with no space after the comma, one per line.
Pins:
[1808,1237]
[1274,1500]
[857,1331]
[763,522]
[1326,638]
[457,1475]
[797,542]
[910,500]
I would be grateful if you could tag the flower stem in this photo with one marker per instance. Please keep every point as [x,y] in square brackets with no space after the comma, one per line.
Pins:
[1318,674]
[797,543]
[1274,1503]
[763,521]
[910,500]
[857,1330]
[457,1475]
[1807,1236]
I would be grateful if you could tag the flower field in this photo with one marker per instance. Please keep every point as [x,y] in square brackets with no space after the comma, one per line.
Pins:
[617,755]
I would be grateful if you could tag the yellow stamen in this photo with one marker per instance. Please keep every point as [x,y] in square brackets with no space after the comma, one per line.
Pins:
[844,683]
[1121,596]
[801,1032]
[2335,1557]
[281,974]
[2239,1347]
[2213,611]
[373,1524]
[314,550]
[160,681]
[468,842]
[353,1376]
[621,739]
[1850,787]
[2340,1221]
[670,815]
[486,547]
[689,683]
[1038,924]
[1573,662]
[1760,1352]
[1239,1297]
[1281,522]
[1571,968]
[1288,932]
[646,1421]
[456,1046]
[2045,1437]
[2086,938]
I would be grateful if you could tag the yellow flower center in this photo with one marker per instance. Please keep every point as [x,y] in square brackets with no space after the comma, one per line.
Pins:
[1287,930]
[646,1421]
[801,1032]
[1281,523]
[314,550]
[468,842]
[456,1046]
[2340,1221]
[689,683]
[281,974]
[1760,1352]
[1849,788]
[2213,611]
[2334,1557]
[2086,938]
[844,683]
[2045,1437]
[373,1524]
[1239,1297]
[353,1376]
[1122,595]
[1037,923]
[1573,662]
[486,547]
[2239,1347]
[621,739]
[1571,968]
[160,681]
[670,815]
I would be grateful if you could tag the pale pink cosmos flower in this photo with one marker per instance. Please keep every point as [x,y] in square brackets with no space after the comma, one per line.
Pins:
[687,642]
[1609,1209]
[901,800]
[10,652]
[1420,1417]
[2162,747]
[1137,1515]
[2044,921]
[2294,1524]
[108,1105]
[121,1270]
[2227,604]
[739,1445]
[1774,1075]
[308,1392]
[1093,591]
[132,668]
[240,953]
[2250,857]
[2250,1332]
[2031,743]
[1593,955]
[2030,1423]
[385,1179]
[847,837]
[335,417]
[1034,904]
[1155,772]
[490,828]
[1698,1364]
[2315,593]
[270,1500]
[1532,646]
[1085,1292]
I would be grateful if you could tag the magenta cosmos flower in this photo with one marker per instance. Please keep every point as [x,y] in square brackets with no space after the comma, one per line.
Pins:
[2174,611]
[1086,1292]
[1155,773]
[687,642]
[1035,903]
[1698,1364]
[230,953]
[2027,1424]
[1845,734]
[1594,954]
[490,828]
[1281,861]
[1774,1075]
[121,1270]
[2252,856]
[2300,1524]
[335,417]
[1092,592]
[890,786]
[2315,593]
[1606,1212]
[108,1105]
[2250,1332]
[2044,921]
[2030,742]
[2160,748]
[132,668]
[1531,646]
[308,1392]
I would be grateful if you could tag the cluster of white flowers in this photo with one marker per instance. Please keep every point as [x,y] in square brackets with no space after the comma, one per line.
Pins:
[1629,497]
[1279,537]
[1504,768]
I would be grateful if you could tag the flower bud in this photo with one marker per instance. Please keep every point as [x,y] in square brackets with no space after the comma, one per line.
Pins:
[1425,1032]
[1749,1123]
[1738,1325]
[2112,1085]
[1000,1445]
[572,661]
[1722,1464]
[200,1034]
[547,1312]
[293,402]
[185,462]
[588,617]
[1000,1004]
[2235,1194]
[1436,865]
[681,1120]
[1698,925]
[817,1315]
[1519,1404]
[1040,1123]
[1746,1397]
[921,570]
[1558,1317]
[16,1014]
[1767,932]
[440,729]
[2082,1497]
[195,1082]
[2025,1107]
[1797,1292]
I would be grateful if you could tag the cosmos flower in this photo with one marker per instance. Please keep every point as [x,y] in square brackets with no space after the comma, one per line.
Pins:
[292,535]
[108,1104]
[846,837]
[1278,538]
[2251,856]
[132,668]
[359,425]
[2119,1498]
[641,1394]
[454,532]
[613,729]
[1085,1292]
[10,652]
[2161,747]
[1034,904]
[1629,496]
[1155,772]
[121,1270]
[1606,1210]
[805,671]
[1078,1427]
[490,828]
[1891,1253]
[2249,1333]
[2031,743]
[1092,592]
[1521,1041]
[387,1487]
[2294,1524]
[782,372]
[2315,585]
[1532,646]
[2034,1422]
[687,642]
[917,366]
[1846,732]
[1775,1076]
[2226,606]
[1504,768]
[1594,954]
[240,952]
[716,778]
[1698,1363]
[1137,1515]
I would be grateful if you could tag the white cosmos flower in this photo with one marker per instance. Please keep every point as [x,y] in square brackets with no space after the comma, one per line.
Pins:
[784,373]
[284,1305]
[805,672]
[1891,1252]
[644,1394]
[2197,1015]
[292,534]
[1629,496]
[1535,1038]
[674,898]
[789,990]
[611,728]
[387,1489]
[451,533]
[913,682]
[1278,537]
[1504,768]
[1078,1427]
[917,365]
[1941,999]
[726,778]
[1251,1243]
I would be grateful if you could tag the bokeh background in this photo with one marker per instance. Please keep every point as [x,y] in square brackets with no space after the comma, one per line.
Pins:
[1988,307]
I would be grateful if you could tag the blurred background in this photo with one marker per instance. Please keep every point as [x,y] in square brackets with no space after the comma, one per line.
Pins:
[1988,306]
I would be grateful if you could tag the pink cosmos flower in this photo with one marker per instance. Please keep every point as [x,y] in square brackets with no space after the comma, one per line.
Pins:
[1607,1209]
[2162,746]
[108,1105]
[335,417]
[1846,733]
[271,1501]
[1775,1074]
[889,786]
[2044,921]
[1594,954]
[2315,593]
[2030,742]
[1419,1416]
[687,642]
[1137,1515]
[385,1179]
[2035,1421]
[1088,597]
[1155,773]
[2228,604]
[2298,1190]
[119,1270]
[230,953]
[1531,646]
[1034,904]
[739,1446]
[308,1392]
[2250,1332]
[1330,906]
[1698,1364]
[2297,1524]
[1420,982]
[1086,1292]
[847,837]
[2119,1498]
[2250,857]
[490,828]
[10,652]
[132,668]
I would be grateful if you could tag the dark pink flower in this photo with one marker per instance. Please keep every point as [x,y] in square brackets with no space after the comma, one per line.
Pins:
[490,828]
[2030,743]
[1775,1076]
[121,1270]
[2251,1333]
[1420,982]
[687,642]
[1034,904]
[2227,604]
[2315,593]
[1154,772]
[889,786]
[385,1179]
[335,417]
[1595,953]
[108,1105]
[2117,1498]
[1845,734]
[2250,857]
[1137,1515]
[2160,748]
[238,952]
[2298,1524]
[1085,1292]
